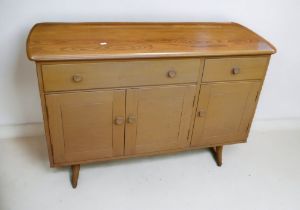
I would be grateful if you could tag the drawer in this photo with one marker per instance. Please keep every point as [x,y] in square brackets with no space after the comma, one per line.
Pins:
[243,68]
[105,74]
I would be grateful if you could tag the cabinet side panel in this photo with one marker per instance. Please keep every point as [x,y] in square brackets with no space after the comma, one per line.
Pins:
[45,114]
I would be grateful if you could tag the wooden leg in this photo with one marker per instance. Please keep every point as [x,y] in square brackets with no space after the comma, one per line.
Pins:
[219,150]
[75,174]
[218,154]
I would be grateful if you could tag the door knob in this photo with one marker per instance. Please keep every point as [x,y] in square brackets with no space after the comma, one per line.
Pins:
[201,113]
[77,78]
[235,70]
[119,120]
[171,73]
[131,119]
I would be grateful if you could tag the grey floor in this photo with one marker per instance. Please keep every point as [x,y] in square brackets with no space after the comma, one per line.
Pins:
[260,175]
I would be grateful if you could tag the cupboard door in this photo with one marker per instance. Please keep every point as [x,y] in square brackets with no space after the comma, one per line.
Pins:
[224,113]
[158,118]
[86,125]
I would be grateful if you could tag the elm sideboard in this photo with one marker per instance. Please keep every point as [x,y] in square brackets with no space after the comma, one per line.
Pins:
[120,90]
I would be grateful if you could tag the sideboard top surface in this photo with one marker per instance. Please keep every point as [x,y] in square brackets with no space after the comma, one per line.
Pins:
[92,41]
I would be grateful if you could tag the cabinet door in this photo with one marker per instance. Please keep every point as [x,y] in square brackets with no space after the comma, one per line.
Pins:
[86,125]
[158,118]
[224,113]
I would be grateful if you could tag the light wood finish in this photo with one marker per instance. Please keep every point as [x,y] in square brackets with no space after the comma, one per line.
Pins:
[75,175]
[240,68]
[82,124]
[119,90]
[194,108]
[59,77]
[141,155]
[45,114]
[162,116]
[89,41]
[224,112]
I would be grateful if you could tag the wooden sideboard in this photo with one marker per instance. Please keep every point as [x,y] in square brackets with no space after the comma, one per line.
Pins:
[119,90]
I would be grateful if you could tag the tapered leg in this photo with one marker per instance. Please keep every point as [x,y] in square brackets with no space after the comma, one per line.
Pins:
[218,154]
[75,175]
[219,150]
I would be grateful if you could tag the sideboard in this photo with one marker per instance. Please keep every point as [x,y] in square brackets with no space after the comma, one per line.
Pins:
[120,90]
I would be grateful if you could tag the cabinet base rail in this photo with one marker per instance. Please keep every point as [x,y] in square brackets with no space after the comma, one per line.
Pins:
[217,151]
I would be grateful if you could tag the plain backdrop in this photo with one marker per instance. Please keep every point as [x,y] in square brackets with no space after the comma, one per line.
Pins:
[277,21]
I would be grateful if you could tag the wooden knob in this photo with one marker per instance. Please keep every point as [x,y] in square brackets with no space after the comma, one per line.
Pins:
[171,73]
[77,78]
[119,120]
[201,113]
[131,119]
[235,70]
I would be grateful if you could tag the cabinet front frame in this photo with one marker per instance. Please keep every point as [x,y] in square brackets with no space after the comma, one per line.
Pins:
[198,84]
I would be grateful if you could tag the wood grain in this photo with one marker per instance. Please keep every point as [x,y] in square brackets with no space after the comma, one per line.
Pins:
[119,90]
[222,69]
[94,41]
[163,117]
[107,74]
[45,114]
[82,124]
[224,112]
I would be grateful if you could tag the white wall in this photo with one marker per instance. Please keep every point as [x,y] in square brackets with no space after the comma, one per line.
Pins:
[278,21]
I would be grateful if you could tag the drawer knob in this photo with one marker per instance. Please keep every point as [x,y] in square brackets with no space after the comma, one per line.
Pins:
[235,70]
[171,73]
[131,119]
[77,78]
[119,120]
[201,113]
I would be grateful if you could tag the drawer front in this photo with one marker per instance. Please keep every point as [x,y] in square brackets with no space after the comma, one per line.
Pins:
[226,69]
[73,76]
